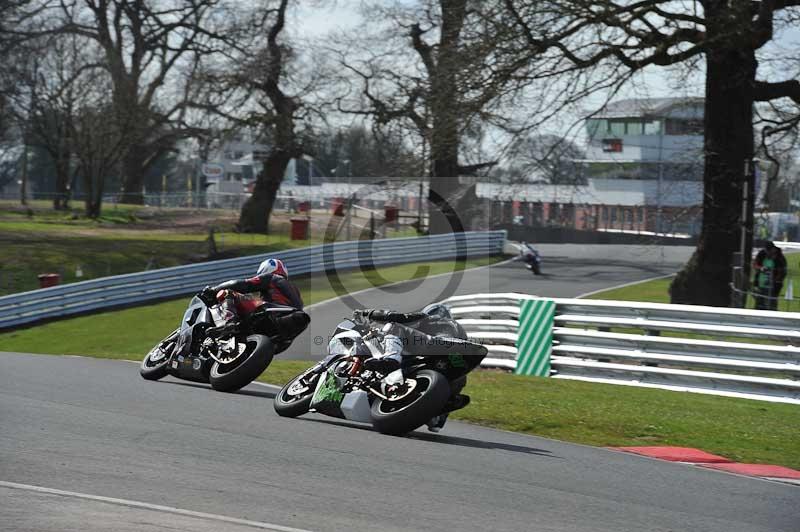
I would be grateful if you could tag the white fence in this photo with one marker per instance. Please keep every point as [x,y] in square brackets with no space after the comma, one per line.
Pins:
[137,288]
[584,348]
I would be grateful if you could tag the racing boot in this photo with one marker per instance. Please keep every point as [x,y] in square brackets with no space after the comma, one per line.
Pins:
[456,402]
[436,423]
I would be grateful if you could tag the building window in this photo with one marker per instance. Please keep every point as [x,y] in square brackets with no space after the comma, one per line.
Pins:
[612,145]
[634,127]
[596,127]
[238,155]
[616,127]
[605,213]
[684,127]
[613,214]
[652,127]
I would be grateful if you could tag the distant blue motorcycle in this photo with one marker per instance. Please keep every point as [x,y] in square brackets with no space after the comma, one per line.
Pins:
[531,257]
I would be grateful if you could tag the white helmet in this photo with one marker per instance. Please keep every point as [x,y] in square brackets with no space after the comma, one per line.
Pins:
[273,266]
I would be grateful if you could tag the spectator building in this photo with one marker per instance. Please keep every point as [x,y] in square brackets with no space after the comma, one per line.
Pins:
[643,172]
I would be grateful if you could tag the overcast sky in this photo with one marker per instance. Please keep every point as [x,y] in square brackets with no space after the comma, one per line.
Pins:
[328,16]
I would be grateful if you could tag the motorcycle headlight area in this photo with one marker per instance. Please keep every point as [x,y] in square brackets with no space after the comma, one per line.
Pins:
[343,343]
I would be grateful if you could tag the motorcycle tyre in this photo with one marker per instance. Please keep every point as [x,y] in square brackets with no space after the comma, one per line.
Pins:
[428,405]
[157,371]
[248,370]
[294,408]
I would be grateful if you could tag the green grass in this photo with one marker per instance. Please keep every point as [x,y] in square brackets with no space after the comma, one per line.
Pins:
[25,256]
[657,291]
[613,416]
[127,239]
[130,333]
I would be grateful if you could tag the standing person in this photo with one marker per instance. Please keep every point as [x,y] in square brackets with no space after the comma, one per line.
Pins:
[770,271]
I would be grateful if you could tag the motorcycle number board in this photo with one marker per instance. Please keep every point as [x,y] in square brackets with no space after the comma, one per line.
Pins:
[535,337]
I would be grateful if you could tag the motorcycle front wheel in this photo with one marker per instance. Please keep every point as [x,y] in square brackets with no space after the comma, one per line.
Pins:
[402,414]
[537,270]
[154,365]
[294,399]
[245,368]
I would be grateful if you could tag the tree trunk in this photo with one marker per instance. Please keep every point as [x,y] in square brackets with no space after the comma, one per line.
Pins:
[88,190]
[23,189]
[445,188]
[133,171]
[442,195]
[730,77]
[257,210]
[61,199]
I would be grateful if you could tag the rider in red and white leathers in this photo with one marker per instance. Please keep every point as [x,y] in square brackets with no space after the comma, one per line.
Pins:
[272,283]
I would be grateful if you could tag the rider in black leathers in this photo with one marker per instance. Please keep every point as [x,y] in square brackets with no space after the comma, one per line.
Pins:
[430,332]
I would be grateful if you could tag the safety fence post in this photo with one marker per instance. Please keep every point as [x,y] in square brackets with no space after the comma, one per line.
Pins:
[535,337]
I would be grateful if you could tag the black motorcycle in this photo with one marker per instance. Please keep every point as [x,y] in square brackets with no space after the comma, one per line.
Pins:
[206,348]
[423,391]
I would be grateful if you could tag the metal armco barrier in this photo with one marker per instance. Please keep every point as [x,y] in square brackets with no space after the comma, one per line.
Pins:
[584,348]
[137,288]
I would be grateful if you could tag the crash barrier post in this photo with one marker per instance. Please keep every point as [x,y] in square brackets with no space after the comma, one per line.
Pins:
[534,337]
[154,285]
[752,354]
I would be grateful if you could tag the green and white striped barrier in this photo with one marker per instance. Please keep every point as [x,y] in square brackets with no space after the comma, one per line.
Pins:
[535,337]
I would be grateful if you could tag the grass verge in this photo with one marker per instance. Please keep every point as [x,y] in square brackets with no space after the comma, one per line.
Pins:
[130,333]
[131,238]
[657,290]
[608,415]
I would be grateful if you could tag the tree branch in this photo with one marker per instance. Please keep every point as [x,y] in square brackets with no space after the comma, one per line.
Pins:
[765,91]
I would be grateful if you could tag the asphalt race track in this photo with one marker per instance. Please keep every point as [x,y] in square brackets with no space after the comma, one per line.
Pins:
[94,427]
[87,445]
[569,270]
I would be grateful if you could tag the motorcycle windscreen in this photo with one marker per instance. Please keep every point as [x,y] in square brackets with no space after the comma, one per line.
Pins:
[328,396]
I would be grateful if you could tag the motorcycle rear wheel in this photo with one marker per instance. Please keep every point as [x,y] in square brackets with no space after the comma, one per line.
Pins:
[154,365]
[405,415]
[246,368]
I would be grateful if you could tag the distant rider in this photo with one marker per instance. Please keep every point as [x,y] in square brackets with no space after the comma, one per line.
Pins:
[272,283]
[527,250]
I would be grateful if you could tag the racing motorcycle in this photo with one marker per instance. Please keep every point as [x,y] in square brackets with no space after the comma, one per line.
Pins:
[210,348]
[532,260]
[424,390]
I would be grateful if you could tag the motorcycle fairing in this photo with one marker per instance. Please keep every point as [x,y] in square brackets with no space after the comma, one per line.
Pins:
[197,312]
[328,396]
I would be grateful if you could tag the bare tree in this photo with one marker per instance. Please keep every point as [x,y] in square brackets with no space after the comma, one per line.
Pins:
[97,138]
[45,74]
[150,50]
[452,71]
[547,158]
[265,84]
[727,35]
